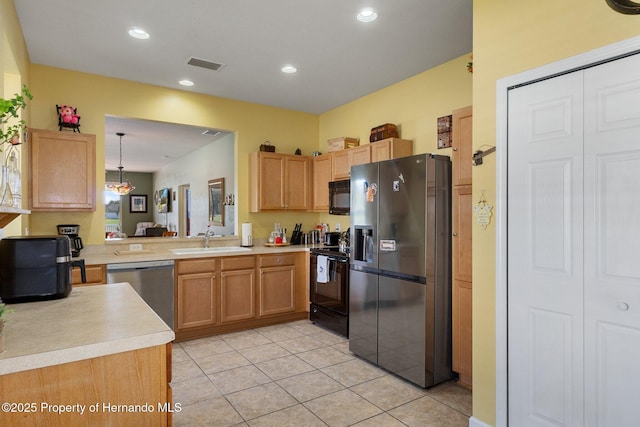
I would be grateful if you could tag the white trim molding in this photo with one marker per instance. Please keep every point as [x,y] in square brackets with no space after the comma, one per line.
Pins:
[584,60]
[474,422]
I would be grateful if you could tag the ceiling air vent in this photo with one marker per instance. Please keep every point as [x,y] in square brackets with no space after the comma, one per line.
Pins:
[212,132]
[205,64]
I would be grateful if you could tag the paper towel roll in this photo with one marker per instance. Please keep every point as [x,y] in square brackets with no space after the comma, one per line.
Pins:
[247,234]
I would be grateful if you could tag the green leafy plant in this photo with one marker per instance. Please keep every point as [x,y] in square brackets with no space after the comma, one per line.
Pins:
[9,110]
[3,312]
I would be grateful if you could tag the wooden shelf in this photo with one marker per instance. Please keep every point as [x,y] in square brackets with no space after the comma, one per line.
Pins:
[9,214]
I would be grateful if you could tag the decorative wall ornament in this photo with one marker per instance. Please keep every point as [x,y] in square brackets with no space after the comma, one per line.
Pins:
[483,212]
[445,124]
[625,6]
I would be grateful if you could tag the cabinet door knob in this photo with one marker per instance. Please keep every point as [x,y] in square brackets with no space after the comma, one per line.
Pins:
[623,306]
[455,234]
[455,148]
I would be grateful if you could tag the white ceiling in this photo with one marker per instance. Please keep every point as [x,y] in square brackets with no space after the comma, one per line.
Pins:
[338,58]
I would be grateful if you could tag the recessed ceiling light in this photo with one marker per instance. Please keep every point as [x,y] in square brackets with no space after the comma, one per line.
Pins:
[139,33]
[289,69]
[186,82]
[367,15]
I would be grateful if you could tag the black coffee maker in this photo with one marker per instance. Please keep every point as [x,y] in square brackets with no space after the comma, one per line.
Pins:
[71,231]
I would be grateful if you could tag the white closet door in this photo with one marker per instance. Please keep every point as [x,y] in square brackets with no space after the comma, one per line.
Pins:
[612,243]
[574,249]
[545,244]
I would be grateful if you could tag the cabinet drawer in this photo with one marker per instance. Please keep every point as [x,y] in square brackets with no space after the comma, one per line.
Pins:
[237,263]
[200,265]
[95,274]
[276,260]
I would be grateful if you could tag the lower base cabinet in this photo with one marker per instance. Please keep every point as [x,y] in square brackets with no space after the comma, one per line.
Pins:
[277,290]
[137,377]
[277,284]
[225,294]
[237,289]
[196,294]
[196,300]
[95,275]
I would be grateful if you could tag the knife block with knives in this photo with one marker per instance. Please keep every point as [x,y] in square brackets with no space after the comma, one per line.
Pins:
[296,235]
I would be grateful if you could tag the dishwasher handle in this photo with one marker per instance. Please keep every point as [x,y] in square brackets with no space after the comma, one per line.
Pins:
[143,265]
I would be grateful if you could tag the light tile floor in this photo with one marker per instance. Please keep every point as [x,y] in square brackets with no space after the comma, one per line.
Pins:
[299,374]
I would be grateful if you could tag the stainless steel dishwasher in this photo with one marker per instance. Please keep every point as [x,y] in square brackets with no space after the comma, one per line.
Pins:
[153,280]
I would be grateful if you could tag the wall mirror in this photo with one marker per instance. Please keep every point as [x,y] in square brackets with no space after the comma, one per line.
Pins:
[216,199]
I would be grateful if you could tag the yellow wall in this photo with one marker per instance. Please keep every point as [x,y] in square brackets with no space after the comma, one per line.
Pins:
[510,37]
[14,71]
[413,105]
[97,96]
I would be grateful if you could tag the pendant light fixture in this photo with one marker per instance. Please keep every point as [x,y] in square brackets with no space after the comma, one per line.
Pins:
[121,188]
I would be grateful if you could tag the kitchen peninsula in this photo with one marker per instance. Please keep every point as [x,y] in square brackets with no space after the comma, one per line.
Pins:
[100,356]
[220,289]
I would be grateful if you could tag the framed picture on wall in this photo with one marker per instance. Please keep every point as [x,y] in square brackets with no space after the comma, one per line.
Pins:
[138,203]
[164,201]
[444,131]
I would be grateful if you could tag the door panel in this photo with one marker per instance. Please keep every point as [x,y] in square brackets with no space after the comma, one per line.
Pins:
[573,248]
[545,253]
[402,190]
[612,270]
[403,319]
[363,315]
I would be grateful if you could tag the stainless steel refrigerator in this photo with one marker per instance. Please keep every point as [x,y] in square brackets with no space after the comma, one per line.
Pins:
[400,275]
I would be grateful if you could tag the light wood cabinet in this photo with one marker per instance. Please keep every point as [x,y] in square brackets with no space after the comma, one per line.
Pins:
[196,291]
[137,377]
[390,148]
[343,160]
[462,208]
[277,284]
[462,148]
[321,178]
[462,284]
[95,275]
[279,182]
[237,289]
[62,171]
[225,294]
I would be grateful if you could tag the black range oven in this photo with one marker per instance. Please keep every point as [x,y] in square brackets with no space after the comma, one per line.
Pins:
[329,291]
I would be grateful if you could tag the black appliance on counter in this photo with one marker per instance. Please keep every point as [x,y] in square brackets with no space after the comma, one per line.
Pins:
[72,230]
[332,238]
[35,268]
[340,197]
[329,289]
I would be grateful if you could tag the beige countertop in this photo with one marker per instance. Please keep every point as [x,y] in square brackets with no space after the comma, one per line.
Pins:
[92,321]
[159,248]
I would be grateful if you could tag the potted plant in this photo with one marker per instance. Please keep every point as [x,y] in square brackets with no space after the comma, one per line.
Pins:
[11,127]
[3,312]
[9,111]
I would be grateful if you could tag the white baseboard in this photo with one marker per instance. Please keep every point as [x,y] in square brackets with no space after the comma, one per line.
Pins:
[474,422]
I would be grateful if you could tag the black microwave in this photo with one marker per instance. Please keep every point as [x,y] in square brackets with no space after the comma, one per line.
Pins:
[340,197]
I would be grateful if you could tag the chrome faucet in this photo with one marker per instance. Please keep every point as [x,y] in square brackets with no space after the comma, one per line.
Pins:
[207,236]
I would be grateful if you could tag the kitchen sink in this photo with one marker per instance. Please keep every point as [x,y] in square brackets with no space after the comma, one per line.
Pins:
[218,249]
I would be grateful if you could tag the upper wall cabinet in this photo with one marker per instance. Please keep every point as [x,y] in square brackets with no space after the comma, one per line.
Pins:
[344,159]
[462,148]
[321,177]
[279,182]
[385,149]
[391,148]
[62,171]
